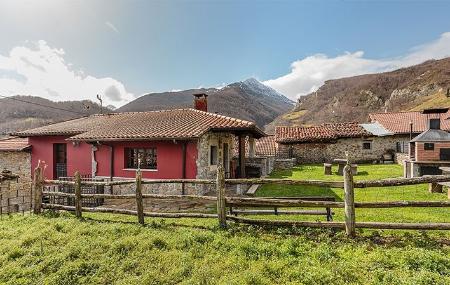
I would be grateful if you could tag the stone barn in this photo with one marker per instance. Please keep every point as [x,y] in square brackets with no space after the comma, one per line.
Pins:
[323,143]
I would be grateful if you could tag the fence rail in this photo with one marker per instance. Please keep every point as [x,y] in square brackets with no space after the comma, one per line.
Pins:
[349,205]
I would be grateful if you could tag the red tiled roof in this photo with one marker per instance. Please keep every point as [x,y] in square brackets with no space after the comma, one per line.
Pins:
[320,133]
[14,144]
[265,146]
[154,125]
[398,123]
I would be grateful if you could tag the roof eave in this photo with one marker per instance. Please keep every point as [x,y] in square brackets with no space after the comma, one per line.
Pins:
[131,139]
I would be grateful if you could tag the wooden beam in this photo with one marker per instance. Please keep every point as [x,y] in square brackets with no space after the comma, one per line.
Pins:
[403,204]
[332,184]
[264,202]
[402,181]
[221,204]
[278,223]
[38,184]
[130,212]
[349,202]
[139,202]
[78,194]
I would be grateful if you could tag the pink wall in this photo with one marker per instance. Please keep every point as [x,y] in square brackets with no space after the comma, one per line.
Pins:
[169,160]
[79,158]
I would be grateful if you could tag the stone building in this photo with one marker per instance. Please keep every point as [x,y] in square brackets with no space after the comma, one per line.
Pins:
[15,157]
[323,143]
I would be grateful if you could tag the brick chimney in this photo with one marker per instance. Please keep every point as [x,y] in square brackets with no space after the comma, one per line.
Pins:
[201,102]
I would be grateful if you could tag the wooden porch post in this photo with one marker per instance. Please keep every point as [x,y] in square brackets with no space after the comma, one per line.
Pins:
[242,156]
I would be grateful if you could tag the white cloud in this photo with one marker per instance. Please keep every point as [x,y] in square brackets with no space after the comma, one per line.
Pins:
[42,71]
[308,74]
[112,26]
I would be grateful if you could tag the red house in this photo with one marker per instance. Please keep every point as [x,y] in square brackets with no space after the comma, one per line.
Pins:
[169,144]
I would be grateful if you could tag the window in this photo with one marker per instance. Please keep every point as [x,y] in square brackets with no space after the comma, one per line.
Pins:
[213,155]
[428,146]
[367,145]
[144,158]
[402,147]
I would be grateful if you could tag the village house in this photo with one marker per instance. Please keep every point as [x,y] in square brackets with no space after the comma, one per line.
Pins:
[405,126]
[430,150]
[168,144]
[326,142]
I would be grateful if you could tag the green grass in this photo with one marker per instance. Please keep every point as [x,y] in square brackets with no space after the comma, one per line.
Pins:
[366,172]
[113,249]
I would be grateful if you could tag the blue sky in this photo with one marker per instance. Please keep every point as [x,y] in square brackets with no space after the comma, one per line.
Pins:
[70,49]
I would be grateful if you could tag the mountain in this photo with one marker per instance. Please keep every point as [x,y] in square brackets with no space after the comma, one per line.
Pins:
[248,100]
[24,112]
[417,87]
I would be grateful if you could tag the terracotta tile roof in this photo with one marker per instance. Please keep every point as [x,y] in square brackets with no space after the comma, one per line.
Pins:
[166,124]
[398,123]
[14,144]
[320,133]
[265,146]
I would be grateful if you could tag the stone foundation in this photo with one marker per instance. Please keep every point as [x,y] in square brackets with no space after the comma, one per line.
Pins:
[163,188]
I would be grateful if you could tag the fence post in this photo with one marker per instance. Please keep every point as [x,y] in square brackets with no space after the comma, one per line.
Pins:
[139,202]
[349,202]
[78,194]
[220,188]
[38,184]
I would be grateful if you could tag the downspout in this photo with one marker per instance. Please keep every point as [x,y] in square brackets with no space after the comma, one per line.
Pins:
[94,148]
[183,167]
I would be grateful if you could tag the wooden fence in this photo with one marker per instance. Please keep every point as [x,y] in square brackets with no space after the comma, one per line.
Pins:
[349,205]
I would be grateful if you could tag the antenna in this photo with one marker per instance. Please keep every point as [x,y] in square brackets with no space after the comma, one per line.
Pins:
[99,98]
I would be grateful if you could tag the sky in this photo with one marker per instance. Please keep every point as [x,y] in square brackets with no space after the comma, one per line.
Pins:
[73,50]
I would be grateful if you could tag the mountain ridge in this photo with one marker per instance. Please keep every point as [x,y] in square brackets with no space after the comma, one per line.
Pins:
[417,87]
[248,99]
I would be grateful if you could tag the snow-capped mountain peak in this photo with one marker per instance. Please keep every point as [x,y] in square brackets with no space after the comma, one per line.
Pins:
[260,88]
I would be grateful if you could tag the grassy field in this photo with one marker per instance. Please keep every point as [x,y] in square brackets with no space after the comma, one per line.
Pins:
[365,172]
[113,249]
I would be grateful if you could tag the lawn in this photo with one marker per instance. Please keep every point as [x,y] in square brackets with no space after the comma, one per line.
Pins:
[57,248]
[365,172]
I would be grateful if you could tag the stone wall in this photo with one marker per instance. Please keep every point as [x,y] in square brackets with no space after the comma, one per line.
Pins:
[15,196]
[266,164]
[284,163]
[400,158]
[204,169]
[160,188]
[326,152]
